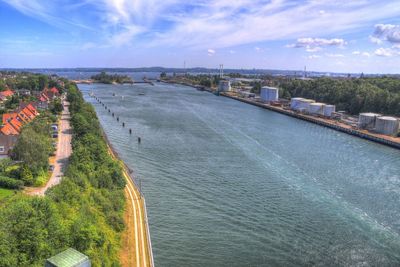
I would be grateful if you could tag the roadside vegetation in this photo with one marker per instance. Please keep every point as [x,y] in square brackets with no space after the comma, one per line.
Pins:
[85,211]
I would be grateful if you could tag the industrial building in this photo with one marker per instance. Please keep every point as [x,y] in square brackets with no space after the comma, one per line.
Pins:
[367,120]
[269,94]
[224,86]
[316,108]
[311,107]
[387,125]
[329,110]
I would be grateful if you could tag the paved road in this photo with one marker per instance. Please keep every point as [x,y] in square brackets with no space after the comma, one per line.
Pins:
[64,150]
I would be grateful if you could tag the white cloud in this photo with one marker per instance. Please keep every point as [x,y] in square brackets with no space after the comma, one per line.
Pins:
[313,45]
[195,24]
[366,54]
[313,57]
[210,52]
[318,42]
[334,55]
[386,52]
[359,53]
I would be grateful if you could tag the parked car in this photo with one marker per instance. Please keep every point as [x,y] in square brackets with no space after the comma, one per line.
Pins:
[55,135]
[51,168]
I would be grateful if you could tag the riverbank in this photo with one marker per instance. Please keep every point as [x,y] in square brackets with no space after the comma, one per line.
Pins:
[333,124]
[136,242]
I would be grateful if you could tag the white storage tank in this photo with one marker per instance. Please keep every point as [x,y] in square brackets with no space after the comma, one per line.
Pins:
[268,94]
[295,103]
[305,104]
[387,125]
[328,110]
[224,86]
[367,120]
[316,108]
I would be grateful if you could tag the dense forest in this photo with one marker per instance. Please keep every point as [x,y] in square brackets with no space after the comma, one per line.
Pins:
[85,211]
[111,78]
[380,95]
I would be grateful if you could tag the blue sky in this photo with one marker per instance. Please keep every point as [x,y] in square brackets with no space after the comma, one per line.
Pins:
[341,35]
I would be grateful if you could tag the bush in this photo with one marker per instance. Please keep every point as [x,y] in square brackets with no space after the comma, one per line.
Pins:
[10,183]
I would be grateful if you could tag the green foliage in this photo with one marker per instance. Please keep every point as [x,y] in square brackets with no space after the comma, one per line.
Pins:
[26,175]
[10,183]
[32,230]
[85,211]
[256,87]
[12,102]
[34,146]
[111,78]
[56,106]
[381,95]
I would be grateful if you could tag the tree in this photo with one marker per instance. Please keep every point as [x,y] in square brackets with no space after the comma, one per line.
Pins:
[256,88]
[33,149]
[56,106]
[43,81]
[163,75]
[26,175]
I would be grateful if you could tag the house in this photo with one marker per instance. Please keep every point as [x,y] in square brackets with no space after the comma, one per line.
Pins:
[12,122]
[6,93]
[7,142]
[51,94]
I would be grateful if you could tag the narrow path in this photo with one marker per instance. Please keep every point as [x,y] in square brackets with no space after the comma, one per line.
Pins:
[64,150]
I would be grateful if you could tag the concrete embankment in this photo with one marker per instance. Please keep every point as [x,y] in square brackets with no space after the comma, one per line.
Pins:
[384,140]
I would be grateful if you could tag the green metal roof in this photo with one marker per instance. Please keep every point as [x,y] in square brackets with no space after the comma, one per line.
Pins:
[68,258]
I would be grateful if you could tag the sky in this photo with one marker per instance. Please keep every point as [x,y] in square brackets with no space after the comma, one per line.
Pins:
[333,36]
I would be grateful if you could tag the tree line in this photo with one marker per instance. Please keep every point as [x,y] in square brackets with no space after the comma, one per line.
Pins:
[380,95]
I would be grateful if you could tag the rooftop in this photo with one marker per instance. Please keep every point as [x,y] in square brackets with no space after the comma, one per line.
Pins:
[67,258]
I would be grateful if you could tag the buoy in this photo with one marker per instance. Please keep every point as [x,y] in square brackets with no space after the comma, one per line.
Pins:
[117,118]
[130,131]
[139,140]
[113,114]
[123,124]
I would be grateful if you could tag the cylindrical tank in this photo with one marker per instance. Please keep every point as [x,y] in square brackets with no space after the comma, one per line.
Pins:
[295,103]
[305,104]
[224,86]
[316,108]
[387,125]
[367,120]
[328,110]
[269,94]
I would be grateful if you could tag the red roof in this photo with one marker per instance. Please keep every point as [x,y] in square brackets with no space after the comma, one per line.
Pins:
[6,93]
[54,90]
[16,124]
[32,109]
[8,116]
[8,129]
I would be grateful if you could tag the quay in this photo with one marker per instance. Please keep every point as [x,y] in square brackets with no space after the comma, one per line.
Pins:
[341,127]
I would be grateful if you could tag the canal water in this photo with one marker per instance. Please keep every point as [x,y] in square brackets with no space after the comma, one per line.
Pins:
[230,184]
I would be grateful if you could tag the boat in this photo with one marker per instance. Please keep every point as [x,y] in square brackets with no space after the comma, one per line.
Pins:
[141,93]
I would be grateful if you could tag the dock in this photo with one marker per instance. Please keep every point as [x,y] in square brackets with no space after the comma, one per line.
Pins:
[390,141]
